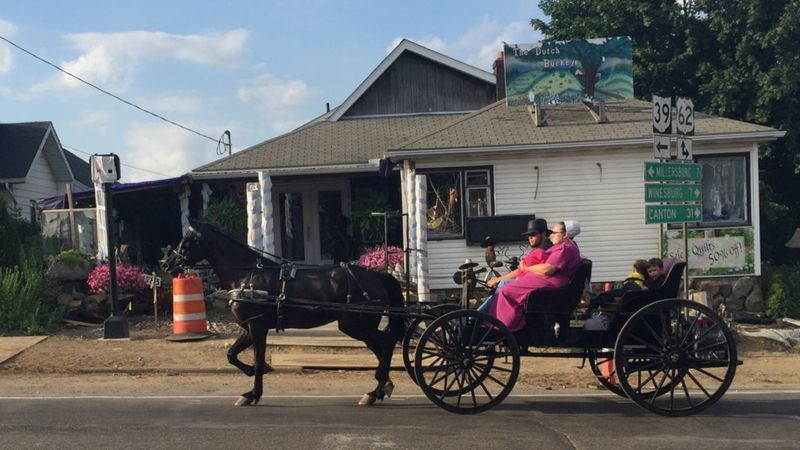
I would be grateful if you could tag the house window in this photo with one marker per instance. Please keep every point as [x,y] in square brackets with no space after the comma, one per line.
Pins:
[726,187]
[446,209]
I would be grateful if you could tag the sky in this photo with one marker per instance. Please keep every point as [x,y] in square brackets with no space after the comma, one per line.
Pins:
[256,68]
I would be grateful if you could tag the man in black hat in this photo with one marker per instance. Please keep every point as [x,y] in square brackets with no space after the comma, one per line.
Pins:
[537,234]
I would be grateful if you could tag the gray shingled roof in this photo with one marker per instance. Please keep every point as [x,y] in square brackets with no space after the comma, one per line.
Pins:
[499,126]
[81,170]
[19,143]
[324,143]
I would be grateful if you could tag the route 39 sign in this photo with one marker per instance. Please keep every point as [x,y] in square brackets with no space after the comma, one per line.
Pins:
[662,115]
[685,116]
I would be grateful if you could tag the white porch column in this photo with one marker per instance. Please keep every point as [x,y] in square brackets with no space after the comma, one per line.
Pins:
[184,199]
[254,236]
[267,224]
[206,193]
[421,188]
[411,205]
[102,229]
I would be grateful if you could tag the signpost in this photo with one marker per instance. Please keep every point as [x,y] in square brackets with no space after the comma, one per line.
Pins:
[105,171]
[674,187]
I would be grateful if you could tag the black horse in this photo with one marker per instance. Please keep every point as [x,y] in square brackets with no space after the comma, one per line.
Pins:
[310,296]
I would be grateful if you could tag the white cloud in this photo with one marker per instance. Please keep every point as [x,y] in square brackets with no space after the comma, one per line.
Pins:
[7,29]
[164,149]
[269,92]
[479,45]
[95,119]
[112,59]
[183,103]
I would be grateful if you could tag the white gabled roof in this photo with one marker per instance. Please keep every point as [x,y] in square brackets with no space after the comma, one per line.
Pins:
[404,45]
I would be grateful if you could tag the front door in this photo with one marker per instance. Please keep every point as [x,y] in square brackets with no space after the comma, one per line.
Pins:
[308,218]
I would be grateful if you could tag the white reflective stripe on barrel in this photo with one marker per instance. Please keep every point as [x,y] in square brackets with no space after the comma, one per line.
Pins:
[187,317]
[187,297]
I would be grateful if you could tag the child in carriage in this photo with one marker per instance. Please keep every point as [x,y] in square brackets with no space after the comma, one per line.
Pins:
[635,281]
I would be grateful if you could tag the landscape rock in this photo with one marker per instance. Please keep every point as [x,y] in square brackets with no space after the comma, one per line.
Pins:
[711,286]
[743,286]
[734,304]
[62,271]
[755,301]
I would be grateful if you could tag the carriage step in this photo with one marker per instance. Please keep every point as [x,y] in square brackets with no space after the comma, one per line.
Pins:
[739,362]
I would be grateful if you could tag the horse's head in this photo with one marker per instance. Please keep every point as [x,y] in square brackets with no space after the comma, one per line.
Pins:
[186,254]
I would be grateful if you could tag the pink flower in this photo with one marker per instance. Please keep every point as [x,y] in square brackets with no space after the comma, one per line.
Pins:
[129,279]
[374,258]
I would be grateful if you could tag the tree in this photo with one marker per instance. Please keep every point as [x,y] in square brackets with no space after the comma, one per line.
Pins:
[736,58]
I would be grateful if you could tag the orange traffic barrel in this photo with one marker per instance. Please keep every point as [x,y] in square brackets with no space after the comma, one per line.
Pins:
[188,309]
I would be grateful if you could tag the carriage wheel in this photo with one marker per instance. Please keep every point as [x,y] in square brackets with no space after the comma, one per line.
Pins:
[459,362]
[675,357]
[414,330]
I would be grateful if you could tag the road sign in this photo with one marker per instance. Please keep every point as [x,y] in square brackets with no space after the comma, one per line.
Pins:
[661,146]
[685,116]
[662,114]
[660,171]
[684,145]
[673,213]
[658,192]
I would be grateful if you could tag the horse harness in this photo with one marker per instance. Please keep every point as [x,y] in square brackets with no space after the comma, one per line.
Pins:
[288,272]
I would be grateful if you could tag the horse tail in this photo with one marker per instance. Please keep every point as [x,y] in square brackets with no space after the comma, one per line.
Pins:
[397,323]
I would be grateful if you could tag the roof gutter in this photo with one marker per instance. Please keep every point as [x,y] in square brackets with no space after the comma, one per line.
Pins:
[371,166]
[436,152]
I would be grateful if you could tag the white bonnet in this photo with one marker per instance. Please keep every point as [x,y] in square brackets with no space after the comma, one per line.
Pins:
[572,228]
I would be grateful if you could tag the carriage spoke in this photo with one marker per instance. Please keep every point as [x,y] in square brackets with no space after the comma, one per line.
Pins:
[660,385]
[645,343]
[705,372]
[686,393]
[672,389]
[701,336]
[697,383]
[485,390]
[688,331]
[660,339]
[710,346]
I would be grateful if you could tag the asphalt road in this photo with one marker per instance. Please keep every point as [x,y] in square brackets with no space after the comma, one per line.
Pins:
[741,420]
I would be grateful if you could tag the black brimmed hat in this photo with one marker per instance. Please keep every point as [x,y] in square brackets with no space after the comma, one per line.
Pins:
[537,226]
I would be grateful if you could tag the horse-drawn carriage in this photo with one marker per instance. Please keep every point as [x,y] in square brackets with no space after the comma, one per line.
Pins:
[670,356]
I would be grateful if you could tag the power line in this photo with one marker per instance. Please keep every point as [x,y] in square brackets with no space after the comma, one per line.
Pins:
[73,149]
[107,92]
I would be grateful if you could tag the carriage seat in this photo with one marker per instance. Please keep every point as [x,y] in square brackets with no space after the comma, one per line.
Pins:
[545,308]
[633,300]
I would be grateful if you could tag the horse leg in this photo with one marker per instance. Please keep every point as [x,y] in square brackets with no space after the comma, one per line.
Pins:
[382,345]
[241,344]
[258,336]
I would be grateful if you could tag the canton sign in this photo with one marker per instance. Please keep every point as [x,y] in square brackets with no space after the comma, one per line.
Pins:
[673,213]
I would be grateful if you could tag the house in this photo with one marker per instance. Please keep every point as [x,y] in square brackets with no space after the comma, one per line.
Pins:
[328,168]
[36,166]
[489,168]
[572,166]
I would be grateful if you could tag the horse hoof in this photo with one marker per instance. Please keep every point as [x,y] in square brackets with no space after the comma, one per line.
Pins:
[388,388]
[367,400]
[244,401]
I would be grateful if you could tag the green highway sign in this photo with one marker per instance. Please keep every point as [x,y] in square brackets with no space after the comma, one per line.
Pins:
[657,192]
[659,171]
[673,213]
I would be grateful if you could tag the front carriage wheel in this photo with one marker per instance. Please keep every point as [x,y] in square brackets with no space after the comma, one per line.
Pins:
[459,362]
[415,328]
[675,357]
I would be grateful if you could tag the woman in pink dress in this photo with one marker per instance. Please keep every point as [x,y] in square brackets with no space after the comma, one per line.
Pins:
[562,260]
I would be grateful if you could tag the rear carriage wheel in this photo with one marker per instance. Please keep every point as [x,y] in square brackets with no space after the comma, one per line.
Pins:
[459,362]
[675,357]
[599,360]
[415,328]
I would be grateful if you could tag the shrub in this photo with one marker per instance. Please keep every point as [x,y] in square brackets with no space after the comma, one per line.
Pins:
[781,286]
[230,216]
[129,279]
[73,258]
[21,307]
[374,258]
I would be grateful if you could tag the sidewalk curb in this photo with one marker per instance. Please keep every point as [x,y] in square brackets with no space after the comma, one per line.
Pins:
[217,371]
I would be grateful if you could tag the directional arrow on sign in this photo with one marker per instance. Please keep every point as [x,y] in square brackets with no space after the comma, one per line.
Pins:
[685,149]
[661,146]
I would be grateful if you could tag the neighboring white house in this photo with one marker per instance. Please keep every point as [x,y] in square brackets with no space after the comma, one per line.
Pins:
[572,167]
[36,166]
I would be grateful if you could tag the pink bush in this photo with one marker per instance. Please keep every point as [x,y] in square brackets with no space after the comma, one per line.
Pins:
[129,279]
[374,258]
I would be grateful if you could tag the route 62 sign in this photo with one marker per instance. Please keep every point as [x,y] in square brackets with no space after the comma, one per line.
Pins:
[685,116]
[662,115]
